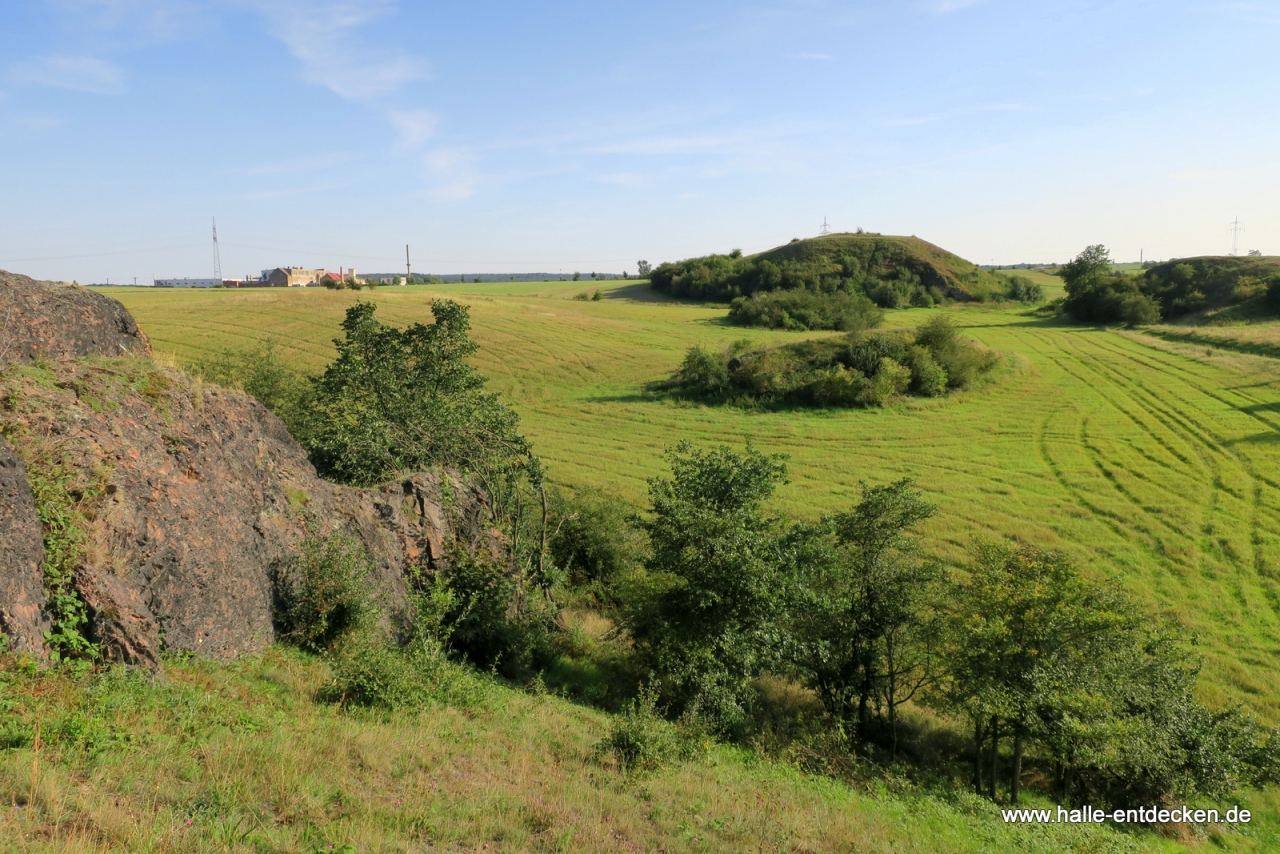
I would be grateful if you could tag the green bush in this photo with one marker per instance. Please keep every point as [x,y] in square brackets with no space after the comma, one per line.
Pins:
[642,741]
[369,672]
[928,378]
[839,387]
[860,369]
[890,380]
[325,593]
[1023,289]
[397,400]
[805,309]
[501,620]
[1139,310]
[594,537]
[703,373]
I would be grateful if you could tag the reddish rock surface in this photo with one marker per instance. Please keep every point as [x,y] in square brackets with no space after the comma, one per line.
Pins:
[21,553]
[52,320]
[194,500]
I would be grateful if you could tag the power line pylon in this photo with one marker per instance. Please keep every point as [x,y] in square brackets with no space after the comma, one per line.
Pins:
[217,255]
[1236,228]
[826,229]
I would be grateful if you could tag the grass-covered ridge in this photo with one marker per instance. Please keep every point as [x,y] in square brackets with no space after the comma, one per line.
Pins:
[893,272]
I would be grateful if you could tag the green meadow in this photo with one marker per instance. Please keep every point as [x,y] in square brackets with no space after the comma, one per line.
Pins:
[1151,461]
[1148,456]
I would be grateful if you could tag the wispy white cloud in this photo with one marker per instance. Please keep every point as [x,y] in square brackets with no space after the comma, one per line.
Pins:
[319,35]
[36,124]
[415,127]
[943,7]
[1256,13]
[451,173]
[294,166]
[78,73]
[668,145]
[624,179]
[139,20]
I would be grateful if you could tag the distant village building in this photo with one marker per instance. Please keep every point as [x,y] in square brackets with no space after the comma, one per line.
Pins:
[292,277]
[187,283]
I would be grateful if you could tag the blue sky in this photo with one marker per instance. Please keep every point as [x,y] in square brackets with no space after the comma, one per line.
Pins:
[497,136]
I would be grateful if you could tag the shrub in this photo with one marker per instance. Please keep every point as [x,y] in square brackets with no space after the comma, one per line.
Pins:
[1139,310]
[406,400]
[703,372]
[1023,289]
[643,741]
[594,537]
[804,309]
[501,620]
[890,380]
[324,596]
[928,378]
[862,369]
[839,386]
[368,671]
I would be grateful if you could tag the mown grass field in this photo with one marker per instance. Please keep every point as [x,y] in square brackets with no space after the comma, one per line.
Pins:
[1148,461]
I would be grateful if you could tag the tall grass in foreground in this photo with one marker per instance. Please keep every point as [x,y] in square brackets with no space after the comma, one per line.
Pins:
[241,758]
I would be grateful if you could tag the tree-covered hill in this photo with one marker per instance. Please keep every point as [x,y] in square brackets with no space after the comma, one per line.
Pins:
[893,271]
[1213,282]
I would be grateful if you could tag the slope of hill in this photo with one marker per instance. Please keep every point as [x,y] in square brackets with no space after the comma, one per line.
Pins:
[893,271]
[1210,284]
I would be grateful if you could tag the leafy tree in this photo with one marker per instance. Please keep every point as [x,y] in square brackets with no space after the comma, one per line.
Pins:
[595,537]
[576,275]
[710,624]
[1097,293]
[643,269]
[1025,625]
[862,618]
[404,400]
[1040,654]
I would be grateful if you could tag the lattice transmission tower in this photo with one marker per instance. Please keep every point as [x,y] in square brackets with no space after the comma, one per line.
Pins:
[826,229]
[217,255]
[1236,229]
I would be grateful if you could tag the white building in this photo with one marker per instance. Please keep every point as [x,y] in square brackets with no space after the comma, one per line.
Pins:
[187,283]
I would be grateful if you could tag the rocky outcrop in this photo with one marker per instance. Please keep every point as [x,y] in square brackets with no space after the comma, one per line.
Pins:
[192,501]
[22,598]
[52,320]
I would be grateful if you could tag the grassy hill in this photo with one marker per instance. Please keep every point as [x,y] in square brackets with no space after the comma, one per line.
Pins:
[935,266]
[893,271]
